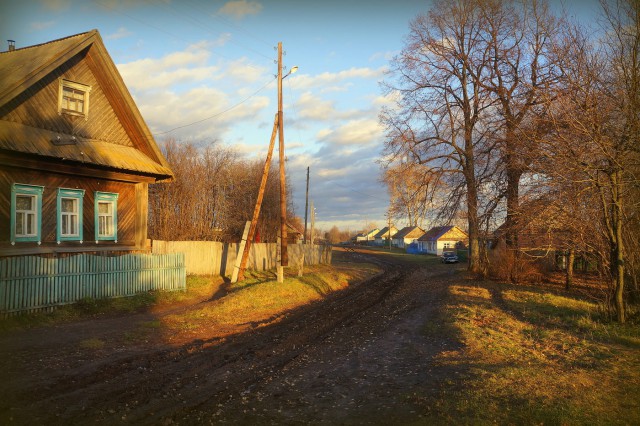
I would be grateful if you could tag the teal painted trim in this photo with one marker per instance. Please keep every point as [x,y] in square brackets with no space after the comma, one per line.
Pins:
[77,194]
[108,197]
[32,190]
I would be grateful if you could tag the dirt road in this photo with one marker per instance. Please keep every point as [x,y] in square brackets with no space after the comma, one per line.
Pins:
[361,356]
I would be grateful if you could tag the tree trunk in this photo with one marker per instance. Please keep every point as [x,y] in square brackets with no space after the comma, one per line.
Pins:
[475,266]
[618,246]
[513,203]
[570,259]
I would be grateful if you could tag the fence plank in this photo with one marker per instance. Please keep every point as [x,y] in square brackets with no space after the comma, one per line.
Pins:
[30,283]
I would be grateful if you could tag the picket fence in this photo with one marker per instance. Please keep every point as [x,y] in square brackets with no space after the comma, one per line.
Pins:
[32,283]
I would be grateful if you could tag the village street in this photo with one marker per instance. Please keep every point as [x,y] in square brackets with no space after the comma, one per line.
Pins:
[359,356]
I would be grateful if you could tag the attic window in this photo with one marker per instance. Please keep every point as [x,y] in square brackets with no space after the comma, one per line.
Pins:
[73,98]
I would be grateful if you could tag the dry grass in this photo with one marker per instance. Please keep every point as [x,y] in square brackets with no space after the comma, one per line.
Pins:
[260,299]
[531,357]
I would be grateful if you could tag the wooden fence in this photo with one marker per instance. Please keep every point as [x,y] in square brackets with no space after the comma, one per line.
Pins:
[214,258]
[32,283]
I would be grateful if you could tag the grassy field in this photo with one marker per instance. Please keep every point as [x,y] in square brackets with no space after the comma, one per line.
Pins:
[529,356]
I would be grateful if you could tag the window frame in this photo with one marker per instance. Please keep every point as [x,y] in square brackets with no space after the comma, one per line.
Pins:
[78,196]
[34,191]
[74,86]
[108,197]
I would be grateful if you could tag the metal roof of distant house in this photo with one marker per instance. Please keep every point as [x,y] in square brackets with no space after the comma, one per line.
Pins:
[384,233]
[437,232]
[409,232]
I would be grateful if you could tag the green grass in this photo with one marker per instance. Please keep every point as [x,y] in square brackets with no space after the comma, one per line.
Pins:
[531,357]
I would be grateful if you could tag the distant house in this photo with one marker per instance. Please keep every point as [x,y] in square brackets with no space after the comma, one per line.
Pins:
[442,238]
[76,157]
[406,236]
[383,236]
[294,235]
[366,237]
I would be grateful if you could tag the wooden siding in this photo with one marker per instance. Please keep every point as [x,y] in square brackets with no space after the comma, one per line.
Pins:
[32,283]
[38,107]
[132,209]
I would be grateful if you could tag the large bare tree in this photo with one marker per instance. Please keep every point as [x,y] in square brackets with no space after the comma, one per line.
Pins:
[596,139]
[521,38]
[437,122]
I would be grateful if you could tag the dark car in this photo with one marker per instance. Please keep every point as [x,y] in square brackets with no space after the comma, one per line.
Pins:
[449,257]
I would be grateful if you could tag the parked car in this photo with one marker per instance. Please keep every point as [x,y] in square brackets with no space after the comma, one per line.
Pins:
[449,257]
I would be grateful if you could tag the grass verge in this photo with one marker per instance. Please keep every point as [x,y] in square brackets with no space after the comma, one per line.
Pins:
[256,299]
[531,357]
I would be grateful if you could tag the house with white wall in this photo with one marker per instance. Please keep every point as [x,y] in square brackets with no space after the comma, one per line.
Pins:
[406,236]
[442,238]
[382,237]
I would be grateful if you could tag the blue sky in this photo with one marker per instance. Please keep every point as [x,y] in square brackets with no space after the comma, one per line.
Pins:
[213,61]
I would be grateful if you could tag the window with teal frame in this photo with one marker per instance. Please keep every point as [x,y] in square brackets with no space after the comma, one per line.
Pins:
[106,216]
[26,213]
[69,208]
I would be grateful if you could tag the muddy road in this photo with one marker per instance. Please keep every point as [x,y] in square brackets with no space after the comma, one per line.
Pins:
[361,356]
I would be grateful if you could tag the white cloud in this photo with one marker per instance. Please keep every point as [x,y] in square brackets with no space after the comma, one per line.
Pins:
[121,33]
[330,80]
[355,132]
[240,8]
[56,5]
[38,26]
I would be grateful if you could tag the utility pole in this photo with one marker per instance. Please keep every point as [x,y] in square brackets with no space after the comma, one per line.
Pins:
[256,210]
[313,221]
[306,209]
[284,257]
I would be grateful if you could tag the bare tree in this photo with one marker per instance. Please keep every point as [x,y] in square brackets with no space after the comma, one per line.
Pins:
[597,133]
[212,196]
[437,122]
[411,191]
[521,37]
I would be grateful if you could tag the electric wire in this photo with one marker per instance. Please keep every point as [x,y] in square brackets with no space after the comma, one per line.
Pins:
[218,113]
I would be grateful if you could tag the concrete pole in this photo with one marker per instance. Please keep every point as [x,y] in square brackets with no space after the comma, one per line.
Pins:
[306,210]
[284,258]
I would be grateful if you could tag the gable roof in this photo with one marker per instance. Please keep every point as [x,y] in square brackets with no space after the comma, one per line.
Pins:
[371,233]
[384,233]
[437,232]
[409,232]
[23,68]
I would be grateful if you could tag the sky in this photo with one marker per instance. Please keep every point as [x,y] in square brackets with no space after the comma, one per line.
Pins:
[203,72]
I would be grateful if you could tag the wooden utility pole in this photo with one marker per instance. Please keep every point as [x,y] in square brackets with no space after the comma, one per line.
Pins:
[284,258]
[256,210]
[241,250]
[306,210]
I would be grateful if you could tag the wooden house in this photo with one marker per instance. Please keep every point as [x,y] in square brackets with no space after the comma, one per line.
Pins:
[442,238]
[76,157]
[406,236]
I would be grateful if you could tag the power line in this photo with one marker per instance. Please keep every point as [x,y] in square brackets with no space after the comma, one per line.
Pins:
[219,113]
